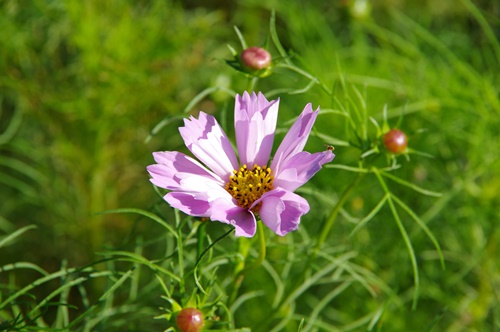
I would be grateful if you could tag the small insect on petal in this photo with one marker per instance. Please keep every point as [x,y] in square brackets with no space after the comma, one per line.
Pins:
[329,147]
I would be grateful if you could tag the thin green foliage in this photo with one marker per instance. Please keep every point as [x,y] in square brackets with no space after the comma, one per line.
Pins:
[15,234]
[406,239]
[145,214]
[23,265]
[82,107]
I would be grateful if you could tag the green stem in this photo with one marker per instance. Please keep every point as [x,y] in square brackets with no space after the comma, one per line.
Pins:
[326,230]
[257,263]
[180,251]
[335,211]
[262,247]
[404,234]
[252,81]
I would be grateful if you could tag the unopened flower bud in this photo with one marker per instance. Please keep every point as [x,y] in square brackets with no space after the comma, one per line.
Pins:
[256,58]
[395,141]
[189,320]
[360,9]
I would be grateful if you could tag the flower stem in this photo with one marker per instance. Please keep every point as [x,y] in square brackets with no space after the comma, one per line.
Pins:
[404,234]
[262,247]
[252,81]
[180,251]
[326,230]
[335,211]
[257,263]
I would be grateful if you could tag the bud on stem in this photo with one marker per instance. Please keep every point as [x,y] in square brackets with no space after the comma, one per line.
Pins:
[395,141]
[255,58]
[189,320]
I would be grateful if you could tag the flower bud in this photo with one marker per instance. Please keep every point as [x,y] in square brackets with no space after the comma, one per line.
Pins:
[395,141]
[255,58]
[360,9]
[189,320]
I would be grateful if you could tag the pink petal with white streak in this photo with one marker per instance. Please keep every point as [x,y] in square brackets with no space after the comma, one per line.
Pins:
[300,168]
[295,139]
[255,123]
[207,141]
[281,210]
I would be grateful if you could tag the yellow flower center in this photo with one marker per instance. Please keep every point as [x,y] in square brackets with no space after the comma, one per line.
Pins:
[246,186]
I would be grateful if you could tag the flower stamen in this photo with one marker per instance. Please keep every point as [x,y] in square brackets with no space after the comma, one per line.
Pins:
[247,186]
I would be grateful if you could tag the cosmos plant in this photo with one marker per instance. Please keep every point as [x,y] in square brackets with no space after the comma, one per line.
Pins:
[240,193]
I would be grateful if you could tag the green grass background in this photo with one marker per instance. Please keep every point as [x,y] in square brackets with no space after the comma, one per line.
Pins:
[83,84]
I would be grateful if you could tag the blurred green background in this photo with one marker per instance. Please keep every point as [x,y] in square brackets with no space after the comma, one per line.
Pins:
[83,83]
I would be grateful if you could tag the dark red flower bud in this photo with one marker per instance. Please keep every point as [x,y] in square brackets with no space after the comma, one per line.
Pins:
[395,141]
[256,58]
[189,320]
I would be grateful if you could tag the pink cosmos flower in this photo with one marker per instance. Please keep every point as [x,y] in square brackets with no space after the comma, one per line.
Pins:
[235,193]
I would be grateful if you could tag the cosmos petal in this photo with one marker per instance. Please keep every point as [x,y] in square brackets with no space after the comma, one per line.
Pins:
[296,138]
[255,123]
[281,210]
[188,203]
[198,187]
[243,220]
[176,171]
[300,168]
[207,141]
